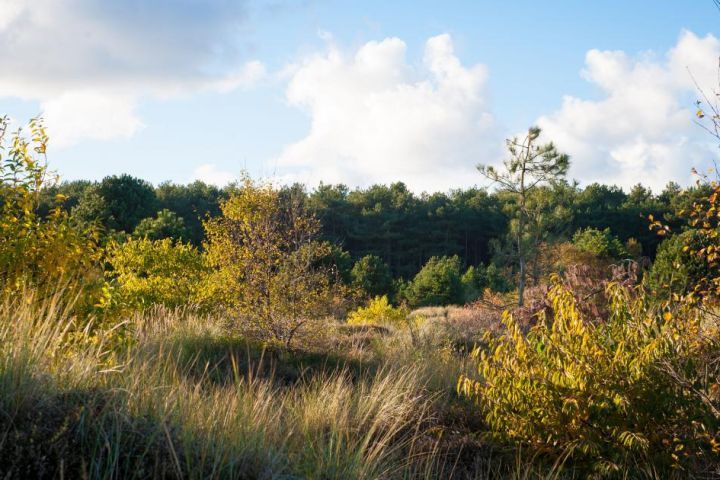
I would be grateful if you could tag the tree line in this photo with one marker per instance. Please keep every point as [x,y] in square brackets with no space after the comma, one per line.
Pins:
[440,248]
[391,222]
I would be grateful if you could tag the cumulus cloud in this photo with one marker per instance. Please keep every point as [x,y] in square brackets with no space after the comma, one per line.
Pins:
[100,58]
[377,118]
[640,130]
[374,116]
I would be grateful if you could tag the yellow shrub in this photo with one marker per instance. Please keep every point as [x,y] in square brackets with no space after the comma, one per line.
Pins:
[379,312]
[42,253]
[155,272]
[608,390]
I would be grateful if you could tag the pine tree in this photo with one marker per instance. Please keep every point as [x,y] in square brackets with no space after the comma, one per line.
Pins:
[529,166]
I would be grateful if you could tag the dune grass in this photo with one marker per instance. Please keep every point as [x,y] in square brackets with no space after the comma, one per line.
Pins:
[158,409]
[186,396]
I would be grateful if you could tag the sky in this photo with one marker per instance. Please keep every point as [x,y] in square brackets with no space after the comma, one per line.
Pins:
[360,92]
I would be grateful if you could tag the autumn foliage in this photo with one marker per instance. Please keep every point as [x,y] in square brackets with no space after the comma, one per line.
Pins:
[601,390]
[270,269]
[609,366]
[41,252]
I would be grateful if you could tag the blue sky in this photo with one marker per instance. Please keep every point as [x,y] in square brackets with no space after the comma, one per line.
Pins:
[358,92]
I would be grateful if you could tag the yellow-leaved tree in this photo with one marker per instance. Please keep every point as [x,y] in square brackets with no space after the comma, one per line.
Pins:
[43,253]
[270,267]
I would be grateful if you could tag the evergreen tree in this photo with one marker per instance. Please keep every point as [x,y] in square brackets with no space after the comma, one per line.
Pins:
[437,283]
[372,276]
[165,224]
[529,167]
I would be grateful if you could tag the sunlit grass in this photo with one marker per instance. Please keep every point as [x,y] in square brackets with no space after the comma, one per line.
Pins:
[151,412]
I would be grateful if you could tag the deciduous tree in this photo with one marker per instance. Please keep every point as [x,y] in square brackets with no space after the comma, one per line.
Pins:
[271,269]
[45,253]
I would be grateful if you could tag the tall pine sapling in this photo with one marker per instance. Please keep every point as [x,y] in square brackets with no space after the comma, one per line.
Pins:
[530,165]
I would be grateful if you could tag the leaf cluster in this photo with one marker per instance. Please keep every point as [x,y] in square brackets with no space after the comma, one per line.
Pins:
[155,272]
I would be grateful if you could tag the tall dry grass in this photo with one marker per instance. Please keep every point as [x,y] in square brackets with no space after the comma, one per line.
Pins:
[178,396]
[70,409]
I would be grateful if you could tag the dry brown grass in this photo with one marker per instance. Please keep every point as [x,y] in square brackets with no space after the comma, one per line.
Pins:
[156,412]
[182,396]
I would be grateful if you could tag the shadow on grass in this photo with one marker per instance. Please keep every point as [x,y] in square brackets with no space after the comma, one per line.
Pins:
[92,434]
[82,434]
[222,359]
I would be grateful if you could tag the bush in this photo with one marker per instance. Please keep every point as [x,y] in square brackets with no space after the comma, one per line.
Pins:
[675,270]
[609,392]
[497,280]
[378,312]
[155,272]
[601,243]
[166,224]
[473,282]
[702,246]
[48,252]
[372,276]
[437,283]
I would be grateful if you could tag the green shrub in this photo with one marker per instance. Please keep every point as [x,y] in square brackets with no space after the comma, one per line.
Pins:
[496,280]
[166,224]
[473,282]
[601,243]
[675,270]
[372,276]
[437,283]
[476,279]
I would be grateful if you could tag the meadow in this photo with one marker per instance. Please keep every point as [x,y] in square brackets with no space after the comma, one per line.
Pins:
[138,354]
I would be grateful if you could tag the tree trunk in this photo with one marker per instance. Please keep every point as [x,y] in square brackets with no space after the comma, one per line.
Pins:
[521,282]
[520,237]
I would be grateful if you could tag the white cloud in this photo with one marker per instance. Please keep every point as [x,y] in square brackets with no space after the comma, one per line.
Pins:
[248,76]
[77,115]
[109,55]
[376,118]
[209,173]
[641,129]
